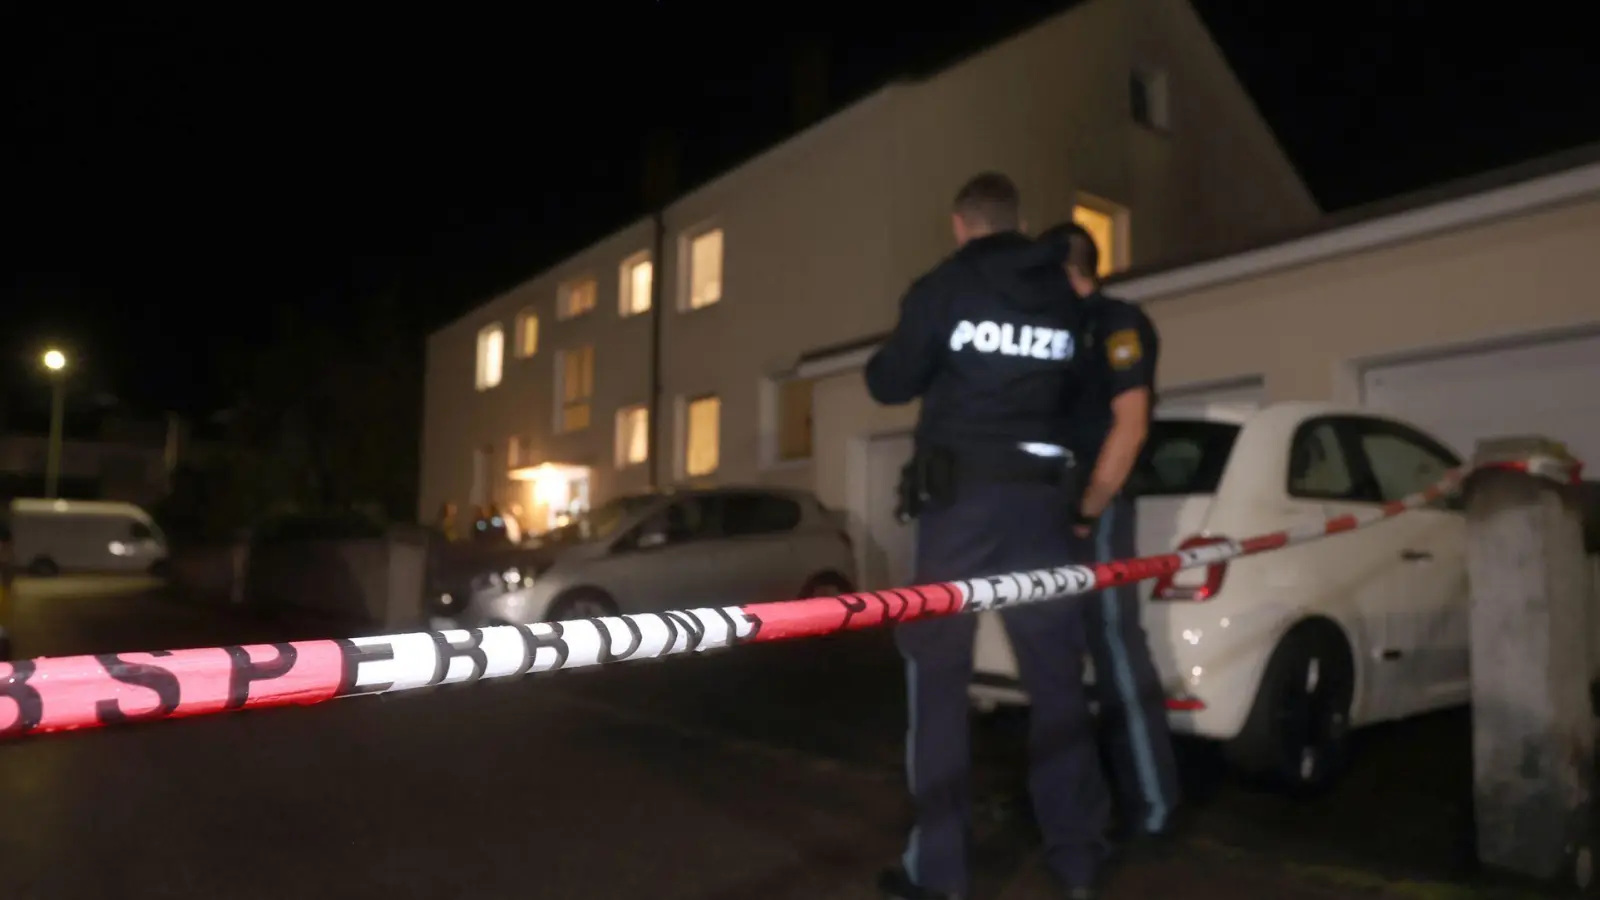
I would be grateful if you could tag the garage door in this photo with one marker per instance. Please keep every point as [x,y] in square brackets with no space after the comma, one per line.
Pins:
[1550,388]
[1243,392]
[887,556]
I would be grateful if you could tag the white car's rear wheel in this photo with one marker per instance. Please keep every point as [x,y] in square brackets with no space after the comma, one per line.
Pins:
[1297,734]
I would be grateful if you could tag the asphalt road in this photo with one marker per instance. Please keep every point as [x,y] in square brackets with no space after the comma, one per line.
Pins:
[767,772]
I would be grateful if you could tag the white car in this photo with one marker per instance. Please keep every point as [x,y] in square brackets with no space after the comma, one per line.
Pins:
[650,553]
[1281,653]
[84,536]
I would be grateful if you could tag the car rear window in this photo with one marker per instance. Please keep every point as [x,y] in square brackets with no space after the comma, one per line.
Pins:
[1183,457]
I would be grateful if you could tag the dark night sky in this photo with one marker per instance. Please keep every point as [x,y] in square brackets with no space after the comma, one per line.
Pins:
[176,180]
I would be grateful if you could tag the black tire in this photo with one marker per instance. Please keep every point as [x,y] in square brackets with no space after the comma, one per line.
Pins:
[43,567]
[581,603]
[826,584]
[1297,735]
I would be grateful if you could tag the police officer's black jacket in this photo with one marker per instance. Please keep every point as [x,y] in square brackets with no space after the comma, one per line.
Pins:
[989,340]
[1120,351]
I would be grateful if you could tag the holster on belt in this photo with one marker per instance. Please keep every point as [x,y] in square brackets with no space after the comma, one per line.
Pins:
[926,481]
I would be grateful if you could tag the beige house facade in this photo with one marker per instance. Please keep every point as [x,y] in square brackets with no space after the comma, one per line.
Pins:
[1121,114]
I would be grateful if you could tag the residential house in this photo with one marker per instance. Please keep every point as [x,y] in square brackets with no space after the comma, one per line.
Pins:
[1121,114]
[122,458]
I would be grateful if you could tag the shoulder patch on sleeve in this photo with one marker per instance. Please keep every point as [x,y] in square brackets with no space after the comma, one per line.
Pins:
[1124,349]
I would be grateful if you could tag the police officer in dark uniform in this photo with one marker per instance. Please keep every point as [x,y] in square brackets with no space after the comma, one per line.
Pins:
[989,341]
[1113,416]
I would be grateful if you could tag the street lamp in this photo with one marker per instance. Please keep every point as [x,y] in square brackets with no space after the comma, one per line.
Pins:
[55,362]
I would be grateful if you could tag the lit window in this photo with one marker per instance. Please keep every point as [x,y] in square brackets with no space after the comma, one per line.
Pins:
[575,298]
[794,419]
[513,452]
[705,269]
[634,284]
[1107,224]
[576,387]
[527,333]
[491,356]
[702,421]
[633,435]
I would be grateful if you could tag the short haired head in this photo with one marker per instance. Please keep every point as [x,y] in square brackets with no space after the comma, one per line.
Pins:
[1082,256]
[987,204]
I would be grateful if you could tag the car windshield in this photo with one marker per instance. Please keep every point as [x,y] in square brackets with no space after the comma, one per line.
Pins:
[1183,457]
[600,523]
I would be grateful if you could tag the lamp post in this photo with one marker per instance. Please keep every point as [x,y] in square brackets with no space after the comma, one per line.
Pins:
[55,362]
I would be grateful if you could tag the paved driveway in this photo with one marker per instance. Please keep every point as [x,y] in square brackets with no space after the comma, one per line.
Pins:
[768,772]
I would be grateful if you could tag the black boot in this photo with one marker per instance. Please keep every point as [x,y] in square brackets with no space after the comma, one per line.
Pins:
[1144,846]
[897,885]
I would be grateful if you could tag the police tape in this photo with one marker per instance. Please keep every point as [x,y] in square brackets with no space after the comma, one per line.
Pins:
[52,694]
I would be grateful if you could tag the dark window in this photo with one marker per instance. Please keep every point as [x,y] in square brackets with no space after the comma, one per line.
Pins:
[1364,460]
[747,514]
[689,519]
[1402,462]
[1319,467]
[1139,98]
[1147,98]
[139,531]
[1183,457]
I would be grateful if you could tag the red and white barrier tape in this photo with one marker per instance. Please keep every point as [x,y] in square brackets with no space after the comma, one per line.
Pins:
[71,692]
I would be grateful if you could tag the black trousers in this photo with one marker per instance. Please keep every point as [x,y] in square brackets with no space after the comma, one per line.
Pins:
[992,529]
[1133,711]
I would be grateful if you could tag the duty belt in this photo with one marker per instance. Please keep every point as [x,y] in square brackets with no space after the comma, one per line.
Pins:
[1022,462]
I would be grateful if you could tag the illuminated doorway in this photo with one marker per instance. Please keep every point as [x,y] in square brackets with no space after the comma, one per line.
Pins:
[554,493]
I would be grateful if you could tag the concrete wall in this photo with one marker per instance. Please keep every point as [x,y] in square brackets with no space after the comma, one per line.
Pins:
[373,581]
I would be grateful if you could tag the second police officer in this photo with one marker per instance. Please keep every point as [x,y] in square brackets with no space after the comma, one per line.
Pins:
[989,340]
[1111,418]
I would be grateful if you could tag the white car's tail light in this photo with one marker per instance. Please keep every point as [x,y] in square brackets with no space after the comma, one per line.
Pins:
[1169,588]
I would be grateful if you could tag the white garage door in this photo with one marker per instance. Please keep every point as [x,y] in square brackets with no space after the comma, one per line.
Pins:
[888,555]
[1248,393]
[1550,388]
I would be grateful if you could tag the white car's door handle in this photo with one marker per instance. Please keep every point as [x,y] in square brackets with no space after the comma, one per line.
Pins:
[1415,555]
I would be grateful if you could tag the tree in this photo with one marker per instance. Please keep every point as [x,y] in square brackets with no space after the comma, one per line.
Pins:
[329,416]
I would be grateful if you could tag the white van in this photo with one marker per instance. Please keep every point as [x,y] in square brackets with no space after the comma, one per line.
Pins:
[54,536]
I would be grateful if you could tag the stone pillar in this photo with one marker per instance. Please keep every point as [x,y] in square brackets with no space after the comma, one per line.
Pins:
[1533,728]
[406,580]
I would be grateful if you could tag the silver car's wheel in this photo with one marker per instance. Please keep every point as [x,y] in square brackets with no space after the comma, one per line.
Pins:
[582,604]
[825,585]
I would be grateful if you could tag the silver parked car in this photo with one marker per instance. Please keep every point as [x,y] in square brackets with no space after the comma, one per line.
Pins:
[651,552]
